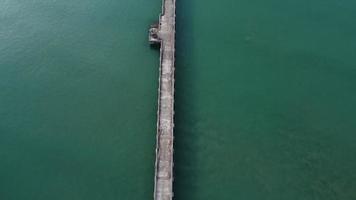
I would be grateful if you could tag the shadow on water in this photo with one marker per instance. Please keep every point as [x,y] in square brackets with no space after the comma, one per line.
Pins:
[185,109]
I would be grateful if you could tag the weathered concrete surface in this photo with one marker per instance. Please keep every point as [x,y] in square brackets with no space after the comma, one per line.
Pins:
[164,150]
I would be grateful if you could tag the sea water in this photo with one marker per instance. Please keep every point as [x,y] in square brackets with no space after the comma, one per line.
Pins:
[265,100]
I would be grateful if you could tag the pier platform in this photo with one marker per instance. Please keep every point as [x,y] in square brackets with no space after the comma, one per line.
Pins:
[164,34]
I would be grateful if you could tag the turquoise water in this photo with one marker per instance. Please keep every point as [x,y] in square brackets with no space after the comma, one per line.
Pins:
[265,101]
[78,88]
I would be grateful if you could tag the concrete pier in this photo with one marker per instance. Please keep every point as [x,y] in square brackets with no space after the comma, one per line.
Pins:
[164,34]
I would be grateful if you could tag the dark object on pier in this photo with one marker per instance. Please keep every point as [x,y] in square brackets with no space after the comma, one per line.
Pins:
[153,37]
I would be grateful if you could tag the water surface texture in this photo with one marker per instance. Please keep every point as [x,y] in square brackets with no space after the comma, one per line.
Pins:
[265,100]
[78,88]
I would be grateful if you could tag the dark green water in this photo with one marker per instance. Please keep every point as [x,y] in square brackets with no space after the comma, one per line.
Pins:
[78,88]
[265,100]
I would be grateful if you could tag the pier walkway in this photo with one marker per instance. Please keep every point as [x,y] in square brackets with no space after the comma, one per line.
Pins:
[164,34]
